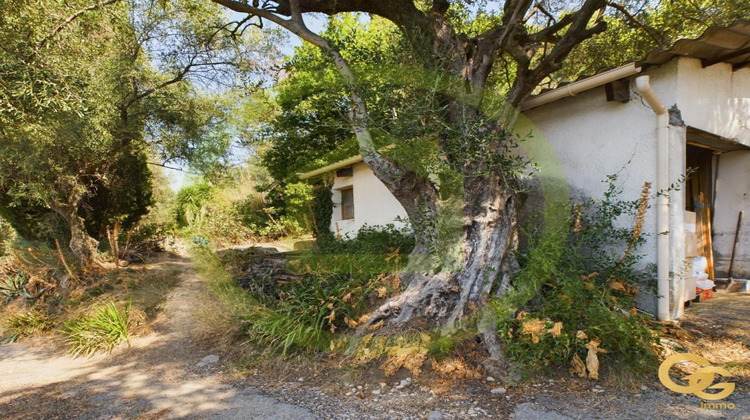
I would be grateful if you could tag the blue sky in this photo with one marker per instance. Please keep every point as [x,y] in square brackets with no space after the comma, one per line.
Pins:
[179,178]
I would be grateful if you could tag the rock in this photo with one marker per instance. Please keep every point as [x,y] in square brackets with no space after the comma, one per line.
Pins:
[498,390]
[404,383]
[534,411]
[435,415]
[507,373]
[300,379]
[471,412]
[382,385]
[208,360]
[376,391]
[490,379]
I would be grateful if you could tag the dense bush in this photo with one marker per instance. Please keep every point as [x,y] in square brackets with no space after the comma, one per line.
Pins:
[373,240]
[231,212]
[590,297]
[333,289]
[375,250]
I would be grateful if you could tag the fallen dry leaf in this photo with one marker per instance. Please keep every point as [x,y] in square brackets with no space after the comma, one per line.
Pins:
[617,286]
[533,326]
[592,360]
[592,364]
[581,335]
[577,367]
[332,316]
[556,330]
[521,315]
[350,322]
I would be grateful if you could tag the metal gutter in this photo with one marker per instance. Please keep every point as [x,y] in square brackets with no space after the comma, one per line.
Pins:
[572,89]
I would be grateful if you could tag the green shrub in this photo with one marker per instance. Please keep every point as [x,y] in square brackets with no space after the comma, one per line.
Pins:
[591,291]
[103,330]
[16,327]
[338,283]
[190,201]
[14,284]
[375,250]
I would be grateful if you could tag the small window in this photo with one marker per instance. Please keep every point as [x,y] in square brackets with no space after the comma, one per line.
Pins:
[347,203]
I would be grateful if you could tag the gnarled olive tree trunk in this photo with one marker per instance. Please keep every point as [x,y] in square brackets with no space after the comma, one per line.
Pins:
[81,243]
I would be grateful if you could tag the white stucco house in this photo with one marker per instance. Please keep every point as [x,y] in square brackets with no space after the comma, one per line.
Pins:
[620,121]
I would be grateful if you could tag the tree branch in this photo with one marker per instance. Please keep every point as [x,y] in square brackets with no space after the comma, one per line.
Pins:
[70,19]
[578,31]
[650,31]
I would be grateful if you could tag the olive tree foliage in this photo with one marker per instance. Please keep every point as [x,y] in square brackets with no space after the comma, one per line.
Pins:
[311,128]
[637,27]
[90,90]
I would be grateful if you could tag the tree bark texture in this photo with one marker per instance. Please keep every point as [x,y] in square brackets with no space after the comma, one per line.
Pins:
[81,243]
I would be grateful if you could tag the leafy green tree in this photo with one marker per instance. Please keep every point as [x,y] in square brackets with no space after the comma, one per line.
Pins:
[89,89]
[451,170]
[312,120]
[636,29]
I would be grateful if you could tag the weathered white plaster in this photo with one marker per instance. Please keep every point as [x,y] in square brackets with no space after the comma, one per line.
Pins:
[373,204]
[715,99]
[732,195]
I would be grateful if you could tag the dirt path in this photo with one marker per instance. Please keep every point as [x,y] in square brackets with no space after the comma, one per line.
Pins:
[162,375]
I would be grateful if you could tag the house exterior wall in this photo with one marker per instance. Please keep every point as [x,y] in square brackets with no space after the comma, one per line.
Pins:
[715,99]
[373,203]
[732,195]
[593,138]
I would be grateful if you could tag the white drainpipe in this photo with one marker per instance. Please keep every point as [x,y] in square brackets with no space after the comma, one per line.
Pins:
[643,86]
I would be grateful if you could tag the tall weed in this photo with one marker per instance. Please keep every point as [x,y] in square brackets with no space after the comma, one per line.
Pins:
[590,296]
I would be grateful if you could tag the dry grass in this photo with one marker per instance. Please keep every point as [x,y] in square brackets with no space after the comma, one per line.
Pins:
[731,354]
[217,324]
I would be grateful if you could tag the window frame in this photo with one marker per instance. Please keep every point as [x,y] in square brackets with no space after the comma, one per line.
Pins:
[344,191]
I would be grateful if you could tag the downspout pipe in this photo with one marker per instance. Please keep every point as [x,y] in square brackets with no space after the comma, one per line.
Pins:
[643,86]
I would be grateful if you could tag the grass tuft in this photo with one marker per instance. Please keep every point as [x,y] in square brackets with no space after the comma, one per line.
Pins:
[105,329]
[18,326]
